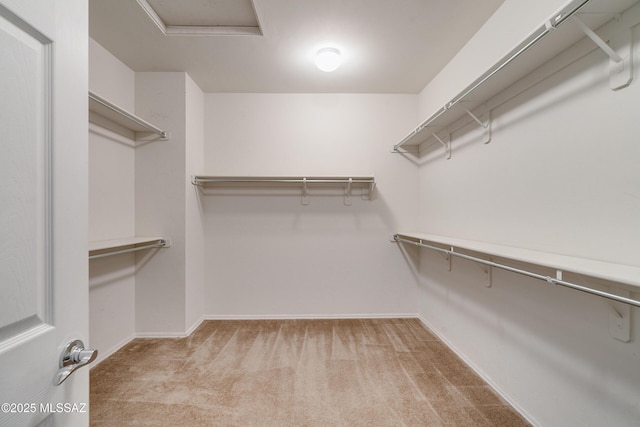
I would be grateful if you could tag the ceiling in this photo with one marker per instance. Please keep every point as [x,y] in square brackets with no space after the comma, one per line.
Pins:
[388,46]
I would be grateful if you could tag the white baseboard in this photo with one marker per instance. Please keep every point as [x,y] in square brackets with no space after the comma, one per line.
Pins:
[172,334]
[161,335]
[195,326]
[309,316]
[487,379]
[104,354]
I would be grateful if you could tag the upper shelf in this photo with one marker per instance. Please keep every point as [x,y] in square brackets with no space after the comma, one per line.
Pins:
[130,121]
[562,30]
[368,182]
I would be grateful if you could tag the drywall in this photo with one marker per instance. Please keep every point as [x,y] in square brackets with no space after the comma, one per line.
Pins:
[559,175]
[266,253]
[160,205]
[111,171]
[169,282]
[194,228]
[111,208]
[143,189]
[507,27]
[110,78]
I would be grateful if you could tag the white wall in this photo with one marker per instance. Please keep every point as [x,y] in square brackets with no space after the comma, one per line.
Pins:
[110,78]
[169,281]
[266,254]
[111,208]
[143,189]
[506,28]
[560,175]
[194,245]
[160,205]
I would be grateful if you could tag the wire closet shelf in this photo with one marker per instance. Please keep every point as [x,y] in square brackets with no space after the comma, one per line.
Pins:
[453,250]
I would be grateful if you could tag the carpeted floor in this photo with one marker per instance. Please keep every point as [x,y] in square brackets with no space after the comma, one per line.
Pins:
[379,372]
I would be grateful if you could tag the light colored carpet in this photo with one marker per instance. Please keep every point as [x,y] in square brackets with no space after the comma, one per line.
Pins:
[374,372]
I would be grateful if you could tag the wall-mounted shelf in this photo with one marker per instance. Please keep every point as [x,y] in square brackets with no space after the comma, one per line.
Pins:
[103,248]
[108,110]
[619,273]
[366,182]
[553,36]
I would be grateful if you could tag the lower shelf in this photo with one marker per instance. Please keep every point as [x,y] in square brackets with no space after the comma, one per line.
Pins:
[624,274]
[103,248]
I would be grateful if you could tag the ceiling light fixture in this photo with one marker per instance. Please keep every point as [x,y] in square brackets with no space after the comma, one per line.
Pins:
[328,59]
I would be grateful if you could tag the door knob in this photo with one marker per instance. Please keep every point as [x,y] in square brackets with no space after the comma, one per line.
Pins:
[73,356]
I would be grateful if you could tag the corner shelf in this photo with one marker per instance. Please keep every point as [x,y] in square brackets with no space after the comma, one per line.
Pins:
[108,110]
[103,248]
[619,273]
[535,50]
[367,182]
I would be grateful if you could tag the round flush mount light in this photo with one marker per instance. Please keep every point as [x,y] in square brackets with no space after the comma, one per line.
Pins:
[328,59]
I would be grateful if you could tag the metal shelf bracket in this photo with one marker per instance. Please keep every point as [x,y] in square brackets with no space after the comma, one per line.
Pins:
[620,66]
[347,193]
[484,125]
[619,317]
[446,255]
[369,194]
[488,274]
[305,195]
[446,145]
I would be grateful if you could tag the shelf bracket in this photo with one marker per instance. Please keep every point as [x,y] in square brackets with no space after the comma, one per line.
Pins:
[369,195]
[488,274]
[619,317]
[447,256]
[484,125]
[484,265]
[620,66]
[347,193]
[446,145]
[305,195]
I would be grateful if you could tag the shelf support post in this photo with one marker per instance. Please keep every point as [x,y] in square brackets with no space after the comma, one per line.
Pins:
[371,188]
[484,125]
[619,317]
[305,195]
[347,193]
[488,274]
[446,145]
[620,66]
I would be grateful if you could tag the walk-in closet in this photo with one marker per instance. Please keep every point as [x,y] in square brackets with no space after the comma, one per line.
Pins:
[324,212]
[492,206]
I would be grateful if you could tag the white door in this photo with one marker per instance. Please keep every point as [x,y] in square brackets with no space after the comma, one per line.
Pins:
[43,209]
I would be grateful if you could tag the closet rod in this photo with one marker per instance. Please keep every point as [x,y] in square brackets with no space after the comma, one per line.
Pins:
[161,133]
[200,180]
[548,279]
[161,244]
[543,30]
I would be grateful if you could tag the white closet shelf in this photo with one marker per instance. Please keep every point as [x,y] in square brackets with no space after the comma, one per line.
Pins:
[368,182]
[524,58]
[102,248]
[110,111]
[619,273]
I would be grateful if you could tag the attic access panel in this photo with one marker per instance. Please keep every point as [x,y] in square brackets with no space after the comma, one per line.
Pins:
[203,17]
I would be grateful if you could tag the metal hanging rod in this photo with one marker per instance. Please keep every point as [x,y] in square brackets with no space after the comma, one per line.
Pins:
[542,31]
[121,116]
[162,243]
[548,279]
[198,180]
[304,182]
